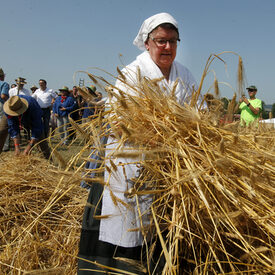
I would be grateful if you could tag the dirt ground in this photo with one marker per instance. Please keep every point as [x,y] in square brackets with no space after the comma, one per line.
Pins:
[74,146]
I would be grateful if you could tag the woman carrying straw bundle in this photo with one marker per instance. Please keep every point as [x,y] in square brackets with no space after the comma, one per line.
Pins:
[103,240]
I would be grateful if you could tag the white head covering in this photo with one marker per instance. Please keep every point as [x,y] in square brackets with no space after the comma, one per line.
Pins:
[151,23]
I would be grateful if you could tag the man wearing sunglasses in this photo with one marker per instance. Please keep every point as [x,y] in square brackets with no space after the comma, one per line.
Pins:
[250,108]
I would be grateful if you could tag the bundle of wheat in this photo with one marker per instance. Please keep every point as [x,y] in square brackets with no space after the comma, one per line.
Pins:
[40,212]
[212,185]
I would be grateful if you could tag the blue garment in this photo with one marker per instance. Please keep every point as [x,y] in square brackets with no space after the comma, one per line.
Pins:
[96,160]
[88,111]
[4,89]
[75,115]
[68,103]
[30,119]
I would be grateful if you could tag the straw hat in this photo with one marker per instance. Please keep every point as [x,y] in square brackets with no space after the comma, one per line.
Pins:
[15,106]
[64,89]
[34,87]
[91,90]
[21,80]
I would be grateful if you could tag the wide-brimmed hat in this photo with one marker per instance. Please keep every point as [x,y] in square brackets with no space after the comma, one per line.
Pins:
[64,89]
[91,90]
[1,72]
[34,87]
[15,106]
[21,80]
[252,87]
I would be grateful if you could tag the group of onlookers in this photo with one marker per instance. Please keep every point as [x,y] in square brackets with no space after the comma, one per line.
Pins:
[38,111]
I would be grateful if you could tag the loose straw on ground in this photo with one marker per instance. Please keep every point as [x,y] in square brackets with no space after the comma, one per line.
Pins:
[40,212]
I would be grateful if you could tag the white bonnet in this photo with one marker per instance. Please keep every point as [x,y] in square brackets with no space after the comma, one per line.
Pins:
[151,23]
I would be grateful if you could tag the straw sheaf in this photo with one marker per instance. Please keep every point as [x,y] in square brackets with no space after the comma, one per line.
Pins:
[217,202]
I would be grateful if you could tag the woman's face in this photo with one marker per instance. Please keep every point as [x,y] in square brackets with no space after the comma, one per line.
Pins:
[162,55]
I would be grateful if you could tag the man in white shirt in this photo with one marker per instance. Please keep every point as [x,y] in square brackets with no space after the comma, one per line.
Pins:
[45,98]
[19,89]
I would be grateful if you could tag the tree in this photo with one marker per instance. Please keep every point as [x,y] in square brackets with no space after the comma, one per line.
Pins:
[273,110]
[225,102]
[265,114]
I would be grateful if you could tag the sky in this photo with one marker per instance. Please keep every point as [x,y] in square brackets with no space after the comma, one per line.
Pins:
[57,39]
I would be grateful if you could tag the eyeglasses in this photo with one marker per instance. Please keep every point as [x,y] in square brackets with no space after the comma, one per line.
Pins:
[160,42]
[252,91]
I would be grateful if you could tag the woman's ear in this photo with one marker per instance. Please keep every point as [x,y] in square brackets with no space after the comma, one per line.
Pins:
[146,45]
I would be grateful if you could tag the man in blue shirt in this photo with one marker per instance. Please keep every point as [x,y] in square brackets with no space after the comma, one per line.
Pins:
[4,95]
[62,107]
[25,111]
[4,90]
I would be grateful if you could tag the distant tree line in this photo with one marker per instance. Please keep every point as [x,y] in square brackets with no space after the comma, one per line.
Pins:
[273,110]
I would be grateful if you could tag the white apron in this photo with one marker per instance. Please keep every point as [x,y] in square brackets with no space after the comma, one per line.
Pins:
[119,227]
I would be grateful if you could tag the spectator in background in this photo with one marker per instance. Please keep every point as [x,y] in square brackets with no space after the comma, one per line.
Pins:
[89,108]
[24,110]
[45,98]
[97,104]
[250,108]
[33,88]
[4,95]
[75,114]
[100,102]
[4,91]
[77,100]
[13,85]
[63,105]
[19,89]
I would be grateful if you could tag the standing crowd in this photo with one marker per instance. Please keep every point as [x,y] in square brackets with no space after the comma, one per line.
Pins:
[33,113]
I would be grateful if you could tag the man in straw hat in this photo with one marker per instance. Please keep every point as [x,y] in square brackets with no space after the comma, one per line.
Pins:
[19,89]
[4,95]
[24,111]
[103,240]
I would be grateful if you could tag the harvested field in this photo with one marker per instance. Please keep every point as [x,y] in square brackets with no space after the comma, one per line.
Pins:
[212,186]
[40,212]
